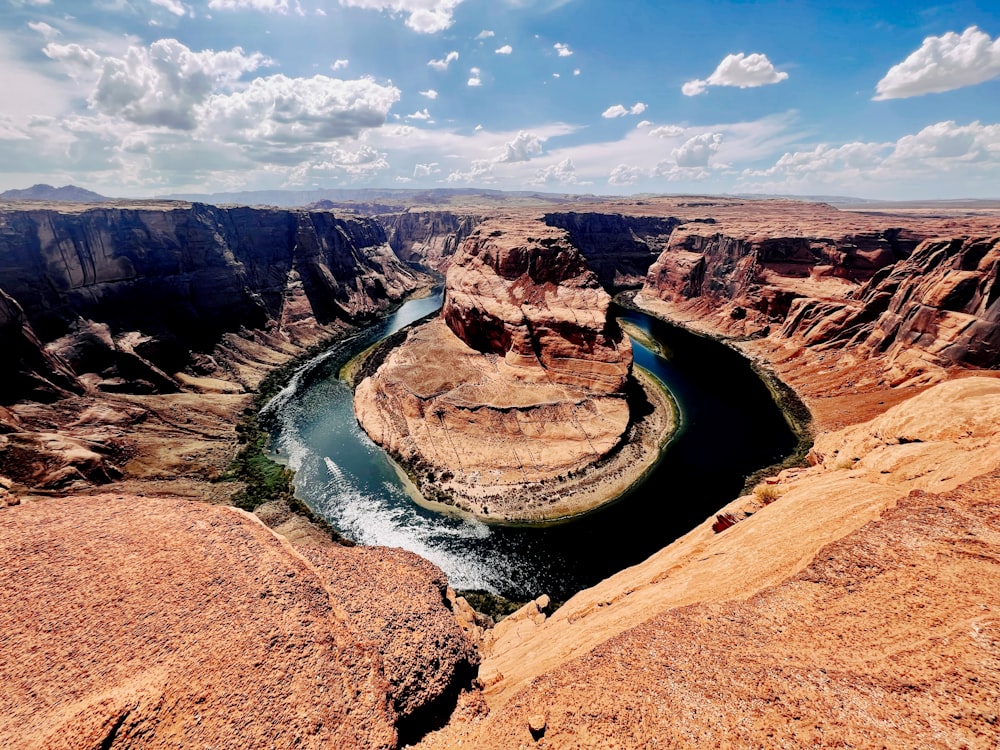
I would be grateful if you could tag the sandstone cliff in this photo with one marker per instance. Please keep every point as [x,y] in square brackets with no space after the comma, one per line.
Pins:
[147,284]
[160,623]
[619,248]
[430,238]
[518,386]
[934,310]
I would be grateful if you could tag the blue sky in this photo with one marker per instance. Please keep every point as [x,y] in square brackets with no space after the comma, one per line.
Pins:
[894,100]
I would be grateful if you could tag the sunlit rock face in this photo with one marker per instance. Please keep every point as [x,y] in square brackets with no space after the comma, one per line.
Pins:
[522,291]
[519,381]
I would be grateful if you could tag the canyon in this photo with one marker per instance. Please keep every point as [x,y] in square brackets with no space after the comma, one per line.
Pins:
[850,599]
[519,388]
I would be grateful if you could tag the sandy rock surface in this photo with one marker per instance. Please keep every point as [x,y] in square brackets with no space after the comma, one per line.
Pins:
[889,637]
[162,623]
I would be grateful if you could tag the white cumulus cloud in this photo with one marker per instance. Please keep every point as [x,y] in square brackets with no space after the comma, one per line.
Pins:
[563,173]
[667,131]
[505,50]
[430,94]
[562,49]
[339,65]
[282,110]
[624,174]
[162,84]
[618,110]
[696,151]
[475,77]
[423,115]
[943,63]
[444,62]
[521,148]
[485,34]
[742,71]
[423,16]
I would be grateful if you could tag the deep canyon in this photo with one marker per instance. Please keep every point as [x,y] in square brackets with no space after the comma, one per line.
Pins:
[847,599]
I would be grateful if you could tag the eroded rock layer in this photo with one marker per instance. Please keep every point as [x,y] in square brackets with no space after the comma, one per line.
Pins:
[520,381]
[130,622]
[855,605]
[127,292]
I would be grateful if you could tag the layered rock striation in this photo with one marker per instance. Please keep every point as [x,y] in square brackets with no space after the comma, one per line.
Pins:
[429,238]
[619,248]
[518,386]
[129,291]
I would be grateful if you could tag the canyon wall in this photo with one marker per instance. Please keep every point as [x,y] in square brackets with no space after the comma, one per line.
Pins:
[429,238]
[135,290]
[618,248]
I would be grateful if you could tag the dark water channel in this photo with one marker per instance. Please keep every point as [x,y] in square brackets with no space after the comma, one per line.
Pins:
[730,428]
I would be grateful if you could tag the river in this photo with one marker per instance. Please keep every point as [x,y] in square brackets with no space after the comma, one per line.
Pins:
[729,427]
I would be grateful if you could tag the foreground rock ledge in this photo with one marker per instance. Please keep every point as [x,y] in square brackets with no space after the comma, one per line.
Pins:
[505,403]
[128,622]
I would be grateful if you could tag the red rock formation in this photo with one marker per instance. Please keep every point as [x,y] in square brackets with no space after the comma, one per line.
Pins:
[156,623]
[211,271]
[936,309]
[525,293]
[520,381]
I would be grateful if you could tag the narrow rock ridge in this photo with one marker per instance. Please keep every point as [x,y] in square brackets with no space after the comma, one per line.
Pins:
[516,389]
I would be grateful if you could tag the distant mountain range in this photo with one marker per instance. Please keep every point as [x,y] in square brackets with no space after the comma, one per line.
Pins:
[43,192]
[388,199]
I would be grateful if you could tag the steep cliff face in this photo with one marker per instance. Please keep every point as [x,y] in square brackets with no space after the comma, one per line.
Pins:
[430,238]
[757,277]
[518,386]
[619,249]
[525,293]
[938,308]
[174,278]
[30,371]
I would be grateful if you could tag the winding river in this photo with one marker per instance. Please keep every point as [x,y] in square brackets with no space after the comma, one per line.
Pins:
[730,426]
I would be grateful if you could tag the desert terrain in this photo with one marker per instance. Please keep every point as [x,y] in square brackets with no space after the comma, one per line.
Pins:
[849,600]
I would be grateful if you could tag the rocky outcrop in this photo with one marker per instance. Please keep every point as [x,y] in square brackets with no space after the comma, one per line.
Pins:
[149,283]
[618,248]
[887,543]
[934,310]
[526,294]
[429,238]
[521,382]
[754,279]
[162,623]
[30,372]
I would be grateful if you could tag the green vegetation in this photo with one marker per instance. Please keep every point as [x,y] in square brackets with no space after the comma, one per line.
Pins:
[263,479]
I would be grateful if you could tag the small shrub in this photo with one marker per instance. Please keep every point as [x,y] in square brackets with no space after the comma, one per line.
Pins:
[766,493]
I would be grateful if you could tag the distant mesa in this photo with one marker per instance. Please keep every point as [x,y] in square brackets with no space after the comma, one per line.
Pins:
[42,192]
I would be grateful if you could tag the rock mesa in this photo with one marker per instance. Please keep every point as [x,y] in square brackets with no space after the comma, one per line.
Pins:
[520,381]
